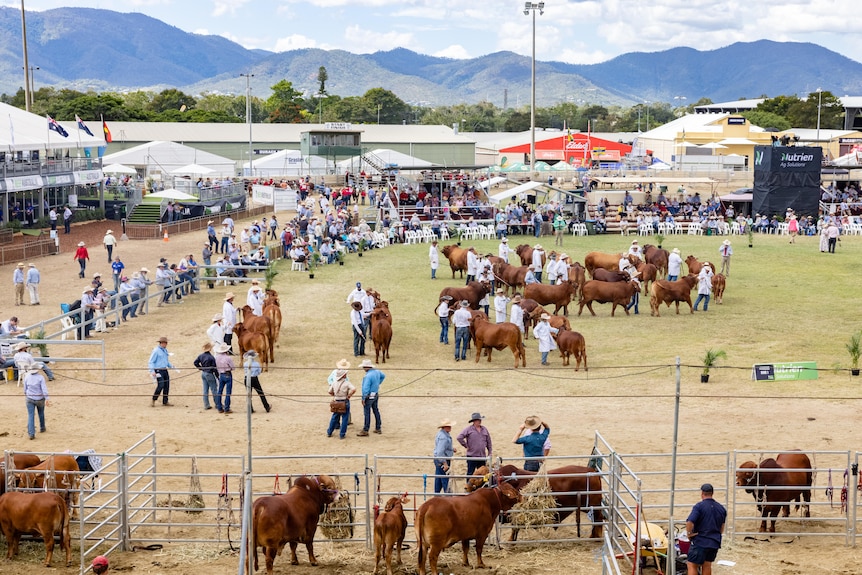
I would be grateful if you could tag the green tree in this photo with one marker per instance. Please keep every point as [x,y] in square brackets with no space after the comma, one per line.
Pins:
[322,77]
[384,105]
[171,99]
[767,119]
[285,103]
[803,113]
[780,105]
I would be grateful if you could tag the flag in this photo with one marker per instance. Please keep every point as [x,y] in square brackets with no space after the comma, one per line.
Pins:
[53,125]
[82,126]
[105,129]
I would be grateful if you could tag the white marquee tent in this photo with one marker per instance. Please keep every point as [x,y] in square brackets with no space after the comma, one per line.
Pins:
[24,131]
[288,163]
[166,157]
[390,157]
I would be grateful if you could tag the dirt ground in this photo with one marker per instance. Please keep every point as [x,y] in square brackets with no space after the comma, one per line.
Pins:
[634,414]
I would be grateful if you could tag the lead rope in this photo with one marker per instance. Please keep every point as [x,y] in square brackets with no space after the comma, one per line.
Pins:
[276,487]
[844,492]
[829,490]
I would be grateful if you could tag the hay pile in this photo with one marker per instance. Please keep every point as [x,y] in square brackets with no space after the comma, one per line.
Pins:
[337,521]
[537,506]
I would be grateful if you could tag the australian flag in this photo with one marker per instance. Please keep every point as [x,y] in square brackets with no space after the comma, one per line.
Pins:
[53,125]
[82,126]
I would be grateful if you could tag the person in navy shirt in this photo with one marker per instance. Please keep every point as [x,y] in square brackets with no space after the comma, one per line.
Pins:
[533,443]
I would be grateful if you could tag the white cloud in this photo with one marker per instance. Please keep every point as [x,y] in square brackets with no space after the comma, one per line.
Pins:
[455,51]
[294,42]
[361,41]
[227,7]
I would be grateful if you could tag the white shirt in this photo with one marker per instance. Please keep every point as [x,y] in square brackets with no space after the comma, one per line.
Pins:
[503,251]
[443,309]
[537,259]
[542,332]
[674,264]
[255,301]
[461,317]
[215,333]
[356,295]
[472,263]
[434,257]
[500,302]
[516,316]
[229,320]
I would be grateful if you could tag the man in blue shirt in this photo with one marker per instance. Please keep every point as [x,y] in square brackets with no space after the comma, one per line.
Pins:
[704,527]
[443,453]
[159,365]
[534,443]
[370,395]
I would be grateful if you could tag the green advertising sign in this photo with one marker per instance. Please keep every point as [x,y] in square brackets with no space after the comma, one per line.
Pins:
[786,371]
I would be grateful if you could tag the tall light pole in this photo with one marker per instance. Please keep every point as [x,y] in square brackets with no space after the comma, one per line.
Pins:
[29,94]
[819,103]
[532,7]
[248,78]
[26,60]
[647,114]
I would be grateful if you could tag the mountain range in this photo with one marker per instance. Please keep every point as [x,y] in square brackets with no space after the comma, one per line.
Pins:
[102,50]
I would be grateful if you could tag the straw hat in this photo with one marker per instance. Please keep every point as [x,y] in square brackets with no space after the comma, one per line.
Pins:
[446,423]
[221,348]
[545,316]
[533,422]
[218,317]
[229,296]
[366,364]
[675,250]
[21,265]
[343,364]
[81,244]
[162,339]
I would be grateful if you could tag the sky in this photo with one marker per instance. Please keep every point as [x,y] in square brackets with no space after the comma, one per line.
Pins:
[572,31]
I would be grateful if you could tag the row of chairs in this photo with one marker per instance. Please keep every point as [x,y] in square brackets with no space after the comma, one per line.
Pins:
[478,232]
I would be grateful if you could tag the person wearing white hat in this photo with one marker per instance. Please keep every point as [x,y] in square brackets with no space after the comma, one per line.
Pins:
[674,265]
[543,333]
[533,441]
[81,256]
[215,332]
[18,278]
[158,364]
[341,391]
[255,298]
[206,363]
[538,261]
[32,283]
[726,251]
[704,286]
[530,276]
[224,366]
[36,397]
[228,319]
[212,240]
[472,265]
[443,452]
[434,258]
[23,357]
[109,241]
[500,303]
[503,250]
[516,313]
[371,382]
[635,249]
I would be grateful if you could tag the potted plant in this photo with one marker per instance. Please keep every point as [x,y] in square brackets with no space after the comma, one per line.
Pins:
[363,244]
[269,276]
[854,348]
[750,236]
[339,255]
[312,263]
[659,239]
[43,347]
[210,273]
[709,360]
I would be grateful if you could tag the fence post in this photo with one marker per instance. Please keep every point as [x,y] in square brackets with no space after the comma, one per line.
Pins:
[369,514]
[125,533]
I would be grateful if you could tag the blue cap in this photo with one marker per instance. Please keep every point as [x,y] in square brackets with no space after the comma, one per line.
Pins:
[358,284]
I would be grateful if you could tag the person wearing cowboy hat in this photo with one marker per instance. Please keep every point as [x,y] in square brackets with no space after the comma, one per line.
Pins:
[255,298]
[476,439]
[530,276]
[212,240]
[472,265]
[36,397]
[636,296]
[503,250]
[341,390]
[32,283]
[371,382]
[228,320]
[109,242]
[81,256]
[442,310]
[704,286]
[251,369]
[533,441]
[224,366]
[461,320]
[158,365]
[626,265]
[543,332]
[635,250]
[726,251]
[206,363]
[674,265]
[443,452]
[358,327]
[538,261]
[516,313]
[500,303]
[18,278]
[88,304]
[23,357]
[434,258]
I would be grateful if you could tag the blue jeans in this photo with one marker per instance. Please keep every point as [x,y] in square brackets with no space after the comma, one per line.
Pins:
[441,481]
[225,388]
[462,337]
[544,357]
[444,329]
[358,342]
[339,420]
[210,387]
[538,276]
[705,299]
[672,278]
[370,405]
[433,273]
[124,301]
[34,405]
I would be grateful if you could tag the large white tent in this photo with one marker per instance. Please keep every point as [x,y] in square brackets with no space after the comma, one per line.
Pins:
[24,131]
[288,163]
[166,157]
[389,157]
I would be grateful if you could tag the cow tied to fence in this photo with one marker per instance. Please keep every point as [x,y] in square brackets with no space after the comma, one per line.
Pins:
[390,528]
[775,483]
[42,514]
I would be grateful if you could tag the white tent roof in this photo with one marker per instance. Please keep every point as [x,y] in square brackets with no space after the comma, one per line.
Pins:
[848,160]
[497,198]
[166,157]
[288,163]
[493,181]
[172,194]
[21,130]
[391,157]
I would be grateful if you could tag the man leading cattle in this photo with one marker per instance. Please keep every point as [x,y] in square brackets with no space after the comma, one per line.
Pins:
[704,527]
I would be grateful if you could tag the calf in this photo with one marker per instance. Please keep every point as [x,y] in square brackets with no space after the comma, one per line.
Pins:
[381,332]
[261,324]
[42,514]
[559,295]
[60,472]
[252,340]
[718,283]
[443,521]
[572,343]
[663,291]
[19,461]
[390,528]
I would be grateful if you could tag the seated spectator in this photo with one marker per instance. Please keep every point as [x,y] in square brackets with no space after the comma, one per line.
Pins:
[9,328]
[326,251]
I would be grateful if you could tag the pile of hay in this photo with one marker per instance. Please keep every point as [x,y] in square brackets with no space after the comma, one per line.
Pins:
[537,506]
[337,521]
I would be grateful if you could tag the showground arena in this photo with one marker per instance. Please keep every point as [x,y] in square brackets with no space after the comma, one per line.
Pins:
[783,303]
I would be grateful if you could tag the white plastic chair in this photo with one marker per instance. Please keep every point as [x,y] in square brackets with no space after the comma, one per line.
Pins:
[295,266]
[645,230]
[694,229]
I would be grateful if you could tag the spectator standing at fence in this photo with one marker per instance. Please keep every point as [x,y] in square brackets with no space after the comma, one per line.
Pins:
[533,442]
[371,382]
[127,291]
[207,254]
[443,452]
[67,219]
[109,241]
[36,397]
[273,227]
[18,280]
[704,527]
[32,283]
[206,363]
[117,267]
[251,367]
[212,240]
[159,364]
[477,440]
[225,367]
[81,256]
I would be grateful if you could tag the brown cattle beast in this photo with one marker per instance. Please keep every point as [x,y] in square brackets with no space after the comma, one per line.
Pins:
[718,284]
[390,527]
[559,295]
[663,291]
[272,310]
[63,475]
[261,324]
[291,518]
[457,259]
[657,257]
[577,275]
[616,293]
[694,266]
[774,487]
[19,461]
[381,332]
[603,275]
[42,514]
[596,260]
[498,336]
[443,521]
[510,276]
[525,252]
[530,306]
[571,343]
[472,292]
[647,273]
[252,340]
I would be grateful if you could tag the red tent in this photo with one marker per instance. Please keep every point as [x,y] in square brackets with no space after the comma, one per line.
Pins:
[574,149]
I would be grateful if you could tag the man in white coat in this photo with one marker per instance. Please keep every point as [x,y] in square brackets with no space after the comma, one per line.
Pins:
[516,313]
[543,332]
[472,265]
[228,318]
[434,258]
[255,298]
[538,254]
[504,250]
[215,333]
[500,302]
[674,265]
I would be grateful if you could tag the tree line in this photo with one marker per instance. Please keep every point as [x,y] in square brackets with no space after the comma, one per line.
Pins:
[378,105]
